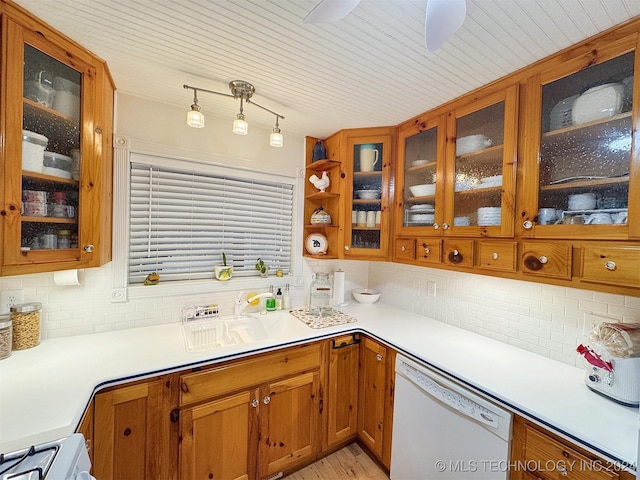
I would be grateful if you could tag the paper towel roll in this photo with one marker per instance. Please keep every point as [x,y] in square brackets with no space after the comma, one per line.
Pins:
[67,277]
[338,288]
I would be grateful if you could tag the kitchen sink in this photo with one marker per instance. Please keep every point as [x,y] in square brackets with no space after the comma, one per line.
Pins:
[229,331]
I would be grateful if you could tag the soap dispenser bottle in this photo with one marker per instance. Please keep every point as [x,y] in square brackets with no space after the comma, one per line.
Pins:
[286,298]
[279,299]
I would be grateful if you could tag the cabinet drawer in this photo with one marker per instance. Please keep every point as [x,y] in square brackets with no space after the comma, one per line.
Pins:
[499,256]
[428,250]
[458,253]
[405,249]
[546,259]
[547,458]
[611,265]
[198,386]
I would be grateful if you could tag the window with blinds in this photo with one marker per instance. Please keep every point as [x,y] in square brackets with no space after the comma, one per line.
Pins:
[182,220]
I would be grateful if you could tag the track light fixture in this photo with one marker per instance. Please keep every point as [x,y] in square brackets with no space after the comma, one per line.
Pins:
[244,91]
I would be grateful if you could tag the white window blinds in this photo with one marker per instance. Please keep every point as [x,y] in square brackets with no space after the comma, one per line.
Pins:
[181,221]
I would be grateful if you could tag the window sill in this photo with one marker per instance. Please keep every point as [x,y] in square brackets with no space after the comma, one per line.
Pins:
[169,289]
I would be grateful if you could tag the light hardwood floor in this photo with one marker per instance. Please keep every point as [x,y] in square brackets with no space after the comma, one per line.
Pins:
[348,463]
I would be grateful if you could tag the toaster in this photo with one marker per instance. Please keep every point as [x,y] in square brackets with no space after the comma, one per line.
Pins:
[618,380]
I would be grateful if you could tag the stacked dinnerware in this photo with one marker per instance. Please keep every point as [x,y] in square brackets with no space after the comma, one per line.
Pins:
[489,216]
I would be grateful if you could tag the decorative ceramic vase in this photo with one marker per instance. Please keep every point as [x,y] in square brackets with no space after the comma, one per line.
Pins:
[319,152]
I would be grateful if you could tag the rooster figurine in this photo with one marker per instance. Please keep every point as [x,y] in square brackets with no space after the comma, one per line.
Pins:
[320,183]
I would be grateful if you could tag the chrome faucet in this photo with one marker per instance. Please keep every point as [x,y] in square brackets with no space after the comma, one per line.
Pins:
[241,305]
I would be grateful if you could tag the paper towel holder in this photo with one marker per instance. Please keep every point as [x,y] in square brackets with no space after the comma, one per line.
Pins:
[68,277]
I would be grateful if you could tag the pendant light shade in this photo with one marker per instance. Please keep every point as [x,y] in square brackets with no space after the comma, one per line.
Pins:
[244,91]
[195,119]
[240,126]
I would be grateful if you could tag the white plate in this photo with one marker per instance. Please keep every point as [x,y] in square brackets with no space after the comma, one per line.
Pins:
[422,207]
[417,163]
[316,244]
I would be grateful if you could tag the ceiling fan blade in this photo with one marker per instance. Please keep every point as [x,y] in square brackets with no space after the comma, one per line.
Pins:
[330,10]
[443,19]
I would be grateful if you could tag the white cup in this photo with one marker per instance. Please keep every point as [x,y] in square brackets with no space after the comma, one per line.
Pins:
[362,218]
[547,216]
[599,219]
[371,218]
[368,159]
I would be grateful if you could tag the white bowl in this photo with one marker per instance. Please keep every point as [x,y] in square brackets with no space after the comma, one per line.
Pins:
[423,190]
[366,295]
[417,163]
[471,143]
[368,194]
[582,201]
[598,102]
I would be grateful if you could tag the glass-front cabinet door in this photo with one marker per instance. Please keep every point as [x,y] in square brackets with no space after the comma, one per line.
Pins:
[368,190]
[480,167]
[579,151]
[420,178]
[46,142]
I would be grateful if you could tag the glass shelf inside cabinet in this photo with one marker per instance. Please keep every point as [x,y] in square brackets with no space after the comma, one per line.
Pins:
[50,153]
[478,167]
[585,147]
[420,178]
[367,195]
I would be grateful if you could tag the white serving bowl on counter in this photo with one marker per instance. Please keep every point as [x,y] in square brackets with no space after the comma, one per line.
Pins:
[366,295]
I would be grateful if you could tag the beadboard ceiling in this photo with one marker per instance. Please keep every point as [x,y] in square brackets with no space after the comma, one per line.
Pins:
[370,68]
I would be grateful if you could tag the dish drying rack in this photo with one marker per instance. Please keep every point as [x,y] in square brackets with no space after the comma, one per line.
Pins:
[201,327]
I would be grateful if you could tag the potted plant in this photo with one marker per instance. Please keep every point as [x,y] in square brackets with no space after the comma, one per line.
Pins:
[262,268]
[223,272]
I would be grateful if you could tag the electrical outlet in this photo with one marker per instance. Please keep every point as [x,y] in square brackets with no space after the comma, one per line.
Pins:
[431,289]
[591,320]
[10,297]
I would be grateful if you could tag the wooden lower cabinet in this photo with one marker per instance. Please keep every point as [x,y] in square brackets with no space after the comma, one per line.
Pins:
[341,406]
[130,439]
[249,418]
[375,398]
[219,438]
[537,454]
[289,423]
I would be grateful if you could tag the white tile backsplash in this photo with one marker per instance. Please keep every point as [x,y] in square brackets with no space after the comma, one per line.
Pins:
[543,319]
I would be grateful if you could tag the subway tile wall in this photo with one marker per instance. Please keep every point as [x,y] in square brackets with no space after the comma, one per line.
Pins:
[545,319]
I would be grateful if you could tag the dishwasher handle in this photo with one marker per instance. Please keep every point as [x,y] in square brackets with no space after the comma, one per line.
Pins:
[454,399]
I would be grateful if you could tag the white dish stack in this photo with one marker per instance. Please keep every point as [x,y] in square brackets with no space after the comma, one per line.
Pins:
[489,216]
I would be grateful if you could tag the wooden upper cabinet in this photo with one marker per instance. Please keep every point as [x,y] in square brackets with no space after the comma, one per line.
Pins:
[480,166]
[456,171]
[581,177]
[55,206]
[360,197]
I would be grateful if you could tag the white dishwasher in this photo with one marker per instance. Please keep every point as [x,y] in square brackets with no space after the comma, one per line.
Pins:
[441,430]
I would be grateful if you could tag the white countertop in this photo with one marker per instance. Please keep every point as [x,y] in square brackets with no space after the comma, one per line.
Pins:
[44,390]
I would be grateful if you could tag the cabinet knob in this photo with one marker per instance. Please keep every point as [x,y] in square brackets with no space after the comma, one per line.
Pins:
[379,357]
[495,255]
[445,226]
[266,400]
[254,403]
[427,250]
[88,248]
[534,263]
[610,265]
[346,247]
[436,226]
[527,225]
[455,256]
